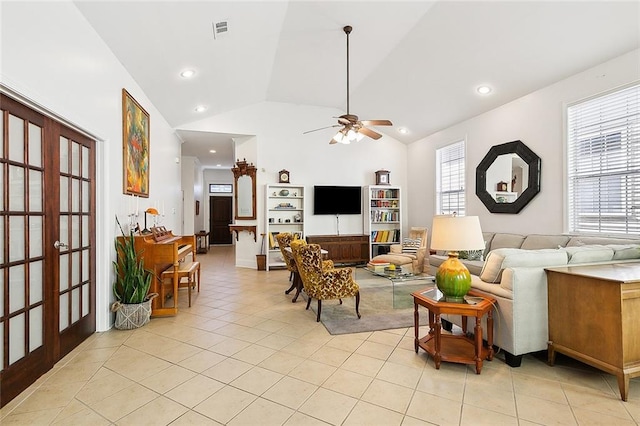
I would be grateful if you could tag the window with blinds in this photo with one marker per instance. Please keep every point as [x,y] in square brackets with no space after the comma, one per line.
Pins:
[603,146]
[450,179]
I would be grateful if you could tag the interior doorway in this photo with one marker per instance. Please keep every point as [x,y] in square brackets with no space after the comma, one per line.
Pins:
[220,217]
[47,251]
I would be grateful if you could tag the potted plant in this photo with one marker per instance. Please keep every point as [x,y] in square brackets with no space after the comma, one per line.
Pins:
[133,304]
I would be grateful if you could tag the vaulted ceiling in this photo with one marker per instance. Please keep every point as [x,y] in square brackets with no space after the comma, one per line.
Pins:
[416,63]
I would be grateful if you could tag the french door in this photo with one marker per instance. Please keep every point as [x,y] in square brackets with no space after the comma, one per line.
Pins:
[47,257]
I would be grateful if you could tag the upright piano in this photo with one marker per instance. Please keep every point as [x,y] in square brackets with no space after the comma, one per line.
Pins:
[162,250]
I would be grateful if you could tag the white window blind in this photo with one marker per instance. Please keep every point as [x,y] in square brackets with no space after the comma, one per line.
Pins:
[604,164]
[450,179]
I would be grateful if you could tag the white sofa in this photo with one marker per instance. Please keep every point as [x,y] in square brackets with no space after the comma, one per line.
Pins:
[515,277]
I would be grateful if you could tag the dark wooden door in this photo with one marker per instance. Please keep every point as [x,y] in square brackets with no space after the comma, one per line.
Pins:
[221,215]
[47,252]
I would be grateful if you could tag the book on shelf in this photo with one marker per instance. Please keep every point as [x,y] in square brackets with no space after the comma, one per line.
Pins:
[273,243]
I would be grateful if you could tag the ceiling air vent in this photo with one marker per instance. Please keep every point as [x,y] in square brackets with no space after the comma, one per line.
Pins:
[220,29]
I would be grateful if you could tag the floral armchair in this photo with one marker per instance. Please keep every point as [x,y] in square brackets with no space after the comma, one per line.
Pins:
[323,284]
[284,242]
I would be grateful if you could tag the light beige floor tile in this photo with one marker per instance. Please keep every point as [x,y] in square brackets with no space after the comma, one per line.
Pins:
[262,412]
[281,362]
[177,353]
[500,400]
[329,406]
[363,364]
[135,365]
[195,419]
[39,417]
[331,356]
[312,372]
[229,347]
[168,379]
[271,325]
[206,339]
[411,421]
[539,388]
[160,411]
[90,355]
[202,361]
[443,385]
[228,370]
[348,383]
[290,392]
[433,409]
[544,412]
[76,413]
[400,374]
[388,395]
[472,416]
[594,401]
[124,402]
[254,354]
[300,419]
[104,384]
[275,341]
[49,397]
[347,342]
[375,350]
[385,337]
[194,391]
[257,380]
[74,372]
[408,357]
[368,414]
[302,348]
[225,404]
[587,417]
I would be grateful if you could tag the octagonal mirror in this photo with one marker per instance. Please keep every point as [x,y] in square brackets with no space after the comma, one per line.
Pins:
[508,177]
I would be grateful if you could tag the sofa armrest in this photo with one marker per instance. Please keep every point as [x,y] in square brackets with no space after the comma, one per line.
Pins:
[395,248]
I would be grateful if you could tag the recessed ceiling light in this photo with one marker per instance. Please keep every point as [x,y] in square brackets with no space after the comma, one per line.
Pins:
[484,90]
[187,73]
[403,130]
[201,108]
[218,165]
[213,151]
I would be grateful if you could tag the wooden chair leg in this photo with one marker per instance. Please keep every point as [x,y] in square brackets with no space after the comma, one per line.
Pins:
[319,309]
[358,304]
[308,303]
[189,284]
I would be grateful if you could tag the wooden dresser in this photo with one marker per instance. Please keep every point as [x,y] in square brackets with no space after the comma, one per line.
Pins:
[594,316]
[343,248]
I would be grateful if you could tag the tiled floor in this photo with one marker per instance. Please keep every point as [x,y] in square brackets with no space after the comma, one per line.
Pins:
[245,355]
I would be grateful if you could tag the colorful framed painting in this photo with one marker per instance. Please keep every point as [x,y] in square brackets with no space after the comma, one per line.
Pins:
[135,146]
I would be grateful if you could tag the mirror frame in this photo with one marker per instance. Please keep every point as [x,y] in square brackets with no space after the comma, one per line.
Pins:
[244,169]
[533,161]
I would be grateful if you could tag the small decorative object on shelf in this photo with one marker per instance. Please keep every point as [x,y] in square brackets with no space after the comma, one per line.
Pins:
[382,177]
[284,192]
[502,186]
[283,176]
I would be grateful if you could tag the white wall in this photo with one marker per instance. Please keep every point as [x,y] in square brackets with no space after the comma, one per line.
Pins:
[280,144]
[188,178]
[535,119]
[51,55]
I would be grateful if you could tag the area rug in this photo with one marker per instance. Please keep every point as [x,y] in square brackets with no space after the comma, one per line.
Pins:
[377,301]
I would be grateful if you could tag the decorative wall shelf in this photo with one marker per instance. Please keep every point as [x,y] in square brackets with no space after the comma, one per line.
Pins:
[251,229]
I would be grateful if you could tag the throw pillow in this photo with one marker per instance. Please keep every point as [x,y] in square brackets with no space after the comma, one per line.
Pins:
[411,246]
[471,254]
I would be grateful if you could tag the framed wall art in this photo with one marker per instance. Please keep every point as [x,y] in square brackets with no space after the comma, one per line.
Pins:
[135,146]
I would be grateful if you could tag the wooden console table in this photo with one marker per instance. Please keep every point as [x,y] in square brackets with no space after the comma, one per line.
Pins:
[594,317]
[343,248]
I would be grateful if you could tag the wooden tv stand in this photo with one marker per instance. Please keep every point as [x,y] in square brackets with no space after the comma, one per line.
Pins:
[343,248]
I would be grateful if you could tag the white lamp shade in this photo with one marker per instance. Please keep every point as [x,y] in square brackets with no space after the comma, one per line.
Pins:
[456,233]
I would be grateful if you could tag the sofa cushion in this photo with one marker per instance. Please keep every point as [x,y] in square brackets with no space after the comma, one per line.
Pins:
[586,241]
[589,254]
[506,241]
[500,259]
[535,242]
[625,251]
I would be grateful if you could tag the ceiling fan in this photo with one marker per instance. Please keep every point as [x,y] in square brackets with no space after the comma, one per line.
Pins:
[353,129]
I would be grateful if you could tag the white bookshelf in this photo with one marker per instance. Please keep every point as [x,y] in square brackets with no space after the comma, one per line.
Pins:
[382,216]
[284,213]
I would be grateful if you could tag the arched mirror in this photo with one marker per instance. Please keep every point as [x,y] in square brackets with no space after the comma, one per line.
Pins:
[245,194]
[508,177]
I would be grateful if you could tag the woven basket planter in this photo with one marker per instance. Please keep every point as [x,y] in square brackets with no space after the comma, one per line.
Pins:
[135,315]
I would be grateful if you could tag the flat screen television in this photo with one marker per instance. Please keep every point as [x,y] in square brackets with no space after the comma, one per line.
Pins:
[337,200]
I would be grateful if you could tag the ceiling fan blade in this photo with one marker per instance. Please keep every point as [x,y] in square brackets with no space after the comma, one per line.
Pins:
[376,123]
[332,141]
[370,133]
[321,128]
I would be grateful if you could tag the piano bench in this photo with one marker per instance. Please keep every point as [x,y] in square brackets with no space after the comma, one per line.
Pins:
[186,270]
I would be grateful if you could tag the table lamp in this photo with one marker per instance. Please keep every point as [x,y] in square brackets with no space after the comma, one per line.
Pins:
[455,233]
[152,211]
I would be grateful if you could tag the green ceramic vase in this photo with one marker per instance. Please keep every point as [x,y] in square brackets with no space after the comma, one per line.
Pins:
[453,279]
